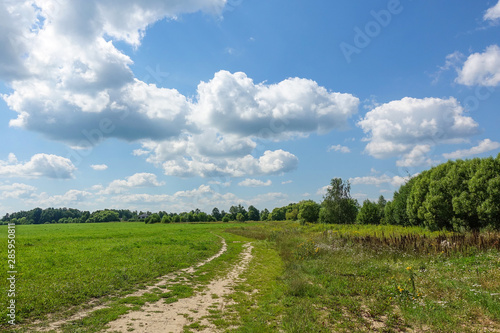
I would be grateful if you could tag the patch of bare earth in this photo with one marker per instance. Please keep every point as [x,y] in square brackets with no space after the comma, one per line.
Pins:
[93,306]
[161,317]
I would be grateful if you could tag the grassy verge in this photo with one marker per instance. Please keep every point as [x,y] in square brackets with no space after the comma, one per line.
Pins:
[352,278]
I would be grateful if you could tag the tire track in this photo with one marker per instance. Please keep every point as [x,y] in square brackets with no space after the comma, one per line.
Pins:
[160,317]
[166,279]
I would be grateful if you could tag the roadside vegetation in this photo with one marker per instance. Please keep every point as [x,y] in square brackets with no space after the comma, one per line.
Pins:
[362,278]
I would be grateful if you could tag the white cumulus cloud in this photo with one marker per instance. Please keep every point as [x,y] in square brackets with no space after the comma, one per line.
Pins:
[340,148]
[99,167]
[483,146]
[270,163]
[233,103]
[142,179]
[69,80]
[40,165]
[418,156]
[410,126]
[255,183]
[395,181]
[481,69]
[493,13]
[16,191]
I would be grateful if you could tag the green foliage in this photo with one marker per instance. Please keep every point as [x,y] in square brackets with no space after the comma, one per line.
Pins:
[216,214]
[104,216]
[291,214]
[309,211]
[457,195]
[265,214]
[395,212]
[253,214]
[278,214]
[338,206]
[226,218]
[240,217]
[369,213]
[166,219]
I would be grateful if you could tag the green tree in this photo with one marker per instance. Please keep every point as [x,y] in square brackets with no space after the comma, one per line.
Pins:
[291,214]
[240,217]
[226,218]
[397,212]
[309,211]
[338,206]
[253,213]
[381,206]
[278,214]
[153,218]
[264,215]
[369,213]
[216,214]
[233,211]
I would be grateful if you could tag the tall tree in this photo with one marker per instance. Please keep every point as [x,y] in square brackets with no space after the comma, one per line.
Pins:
[216,214]
[338,206]
[253,213]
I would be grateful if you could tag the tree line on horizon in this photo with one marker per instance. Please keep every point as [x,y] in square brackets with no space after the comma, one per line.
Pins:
[457,195]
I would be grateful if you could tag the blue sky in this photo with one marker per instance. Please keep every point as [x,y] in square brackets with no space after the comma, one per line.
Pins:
[167,105]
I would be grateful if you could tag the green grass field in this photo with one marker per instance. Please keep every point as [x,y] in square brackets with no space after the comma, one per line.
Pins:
[68,264]
[312,278]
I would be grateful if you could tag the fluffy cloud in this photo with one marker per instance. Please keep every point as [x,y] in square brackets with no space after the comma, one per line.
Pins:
[493,13]
[254,183]
[481,69]
[40,165]
[395,181]
[99,167]
[270,163]
[137,180]
[484,146]
[203,197]
[418,156]
[340,148]
[16,191]
[233,103]
[70,198]
[409,127]
[322,191]
[72,84]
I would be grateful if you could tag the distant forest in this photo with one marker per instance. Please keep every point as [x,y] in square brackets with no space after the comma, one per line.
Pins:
[457,195]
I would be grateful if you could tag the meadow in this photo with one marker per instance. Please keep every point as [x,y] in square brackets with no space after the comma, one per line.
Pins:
[63,265]
[362,278]
[302,278]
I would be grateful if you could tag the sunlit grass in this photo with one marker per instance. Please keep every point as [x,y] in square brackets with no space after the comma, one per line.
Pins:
[383,278]
[63,265]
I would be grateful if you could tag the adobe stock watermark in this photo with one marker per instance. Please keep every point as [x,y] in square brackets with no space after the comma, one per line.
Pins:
[481,94]
[156,75]
[11,273]
[231,5]
[372,29]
